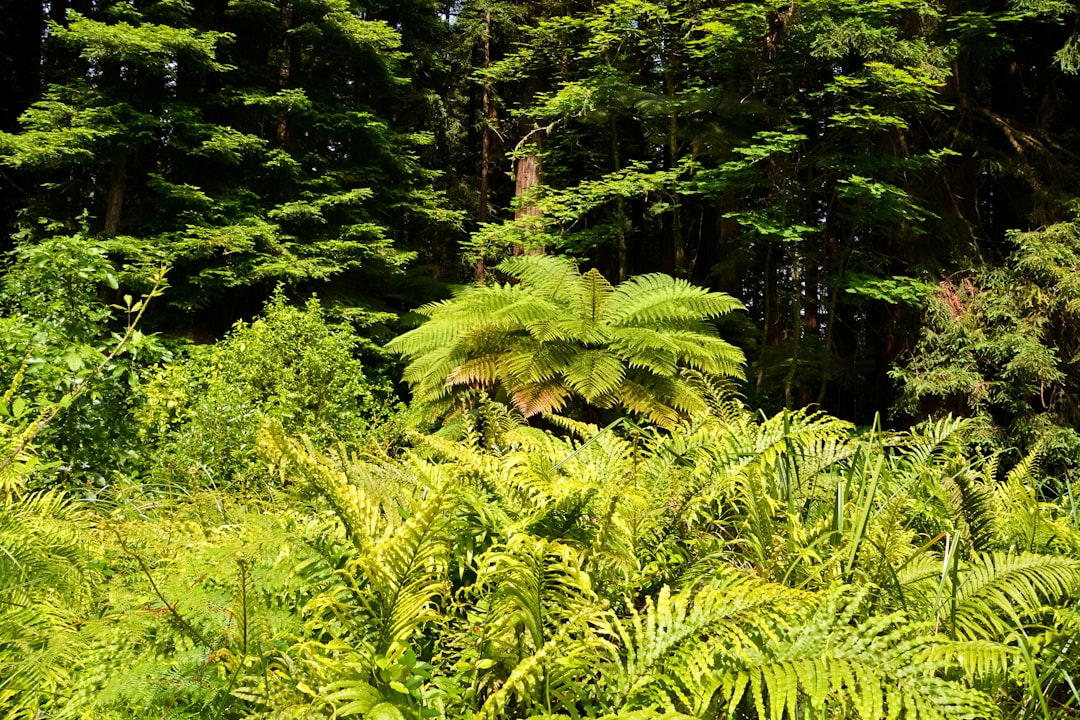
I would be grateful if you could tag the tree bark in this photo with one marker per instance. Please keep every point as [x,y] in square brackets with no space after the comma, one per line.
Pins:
[290,62]
[114,208]
[621,260]
[526,178]
[490,118]
[772,298]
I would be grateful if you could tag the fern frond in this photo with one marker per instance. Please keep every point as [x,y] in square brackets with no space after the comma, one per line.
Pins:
[973,506]
[661,298]
[407,571]
[360,515]
[553,676]
[537,585]
[668,650]
[996,592]
[1023,473]
[978,658]
[594,374]
[549,274]
[1023,522]
[593,293]
[540,399]
[874,667]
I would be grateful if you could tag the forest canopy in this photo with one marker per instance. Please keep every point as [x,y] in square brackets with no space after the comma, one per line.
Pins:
[491,358]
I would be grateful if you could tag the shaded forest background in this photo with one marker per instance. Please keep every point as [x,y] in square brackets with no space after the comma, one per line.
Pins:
[888,186]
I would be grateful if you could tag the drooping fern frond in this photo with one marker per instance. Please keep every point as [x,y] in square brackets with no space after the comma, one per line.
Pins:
[536,585]
[873,668]
[39,651]
[666,652]
[359,512]
[953,489]
[997,593]
[979,659]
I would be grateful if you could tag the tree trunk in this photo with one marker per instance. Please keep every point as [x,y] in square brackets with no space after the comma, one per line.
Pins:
[490,118]
[114,207]
[621,260]
[526,178]
[674,236]
[290,62]
[772,298]
[811,311]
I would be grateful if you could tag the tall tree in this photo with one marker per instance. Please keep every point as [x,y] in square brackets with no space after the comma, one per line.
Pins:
[244,143]
[781,144]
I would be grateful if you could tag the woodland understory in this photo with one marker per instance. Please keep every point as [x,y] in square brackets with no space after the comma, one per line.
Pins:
[482,359]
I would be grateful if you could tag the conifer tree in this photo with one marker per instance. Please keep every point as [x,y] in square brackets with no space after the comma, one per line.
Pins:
[245,144]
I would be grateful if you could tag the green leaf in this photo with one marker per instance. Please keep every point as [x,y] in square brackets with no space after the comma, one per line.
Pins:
[385,711]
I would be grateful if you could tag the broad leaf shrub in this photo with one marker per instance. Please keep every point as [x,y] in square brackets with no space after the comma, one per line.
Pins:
[291,364]
[55,332]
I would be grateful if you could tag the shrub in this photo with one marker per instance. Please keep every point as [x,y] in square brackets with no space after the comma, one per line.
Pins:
[291,364]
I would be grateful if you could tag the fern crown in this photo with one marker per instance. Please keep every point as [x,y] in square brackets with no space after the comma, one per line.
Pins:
[559,334]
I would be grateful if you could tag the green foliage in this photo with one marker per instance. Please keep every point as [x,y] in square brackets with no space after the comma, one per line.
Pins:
[998,344]
[558,333]
[60,347]
[291,364]
[242,159]
[270,545]
[761,568]
[45,581]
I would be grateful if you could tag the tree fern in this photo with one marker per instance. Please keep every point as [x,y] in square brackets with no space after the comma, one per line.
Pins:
[559,333]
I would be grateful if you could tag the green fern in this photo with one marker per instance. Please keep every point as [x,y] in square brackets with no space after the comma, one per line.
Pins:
[667,651]
[551,677]
[997,593]
[559,333]
[874,668]
[45,554]
[408,571]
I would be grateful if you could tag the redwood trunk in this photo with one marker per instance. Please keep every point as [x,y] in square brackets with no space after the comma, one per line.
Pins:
[526,178]
[114,207]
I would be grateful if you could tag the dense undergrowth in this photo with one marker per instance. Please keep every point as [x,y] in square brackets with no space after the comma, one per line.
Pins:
[292,546]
